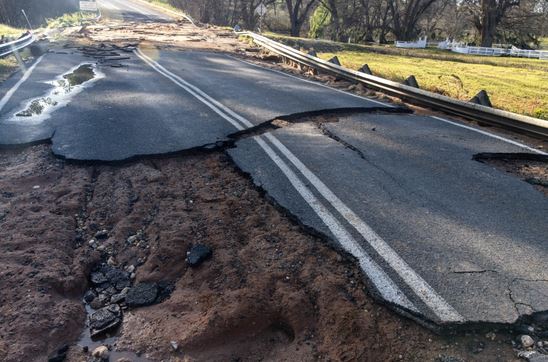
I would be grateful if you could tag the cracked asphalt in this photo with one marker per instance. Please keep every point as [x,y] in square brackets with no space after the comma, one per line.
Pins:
[438,235]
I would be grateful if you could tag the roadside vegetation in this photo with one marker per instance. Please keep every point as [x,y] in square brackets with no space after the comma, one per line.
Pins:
[8,64]
[165,4]
[514,84]
[71,19]
[8,31]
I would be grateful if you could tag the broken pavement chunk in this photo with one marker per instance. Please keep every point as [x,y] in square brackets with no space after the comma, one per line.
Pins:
[98,278]
[105,319]
[198,254]
[142,294]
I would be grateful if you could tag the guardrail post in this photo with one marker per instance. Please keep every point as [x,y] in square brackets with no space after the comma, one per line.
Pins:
[482,98]
[335,60]
[365,69]
[411,81]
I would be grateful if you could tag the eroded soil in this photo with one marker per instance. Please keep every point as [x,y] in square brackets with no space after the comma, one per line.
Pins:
[271,291]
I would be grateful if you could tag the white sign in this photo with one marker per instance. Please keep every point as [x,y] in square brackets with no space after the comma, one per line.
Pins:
[261,10]
[88,6]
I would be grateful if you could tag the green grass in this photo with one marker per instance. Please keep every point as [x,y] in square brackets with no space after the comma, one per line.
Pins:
[71,19]
[9,31]
[513,84]
[8,64]
[544,43]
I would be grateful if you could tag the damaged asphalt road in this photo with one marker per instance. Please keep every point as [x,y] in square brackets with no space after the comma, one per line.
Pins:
[452,234]
[132,111]
[439,236]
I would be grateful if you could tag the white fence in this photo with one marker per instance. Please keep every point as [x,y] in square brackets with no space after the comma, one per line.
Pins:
[419,44]
[492,52]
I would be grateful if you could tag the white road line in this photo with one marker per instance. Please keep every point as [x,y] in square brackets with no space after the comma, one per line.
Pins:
[424,291]
[382,281]
[386,287]
[161,9]
[515,143]
[211,100]
[183,84]
[389,105]
[312,82]
[25,76]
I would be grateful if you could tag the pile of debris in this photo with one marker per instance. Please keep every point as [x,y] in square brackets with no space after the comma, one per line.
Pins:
[109,54]
[112,292]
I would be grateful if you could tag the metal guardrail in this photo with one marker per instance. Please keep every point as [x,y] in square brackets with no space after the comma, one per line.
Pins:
[9,48]
[472,111]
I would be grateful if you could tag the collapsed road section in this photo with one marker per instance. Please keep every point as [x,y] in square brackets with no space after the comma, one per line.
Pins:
[270,289]
[306,198]
[395,182]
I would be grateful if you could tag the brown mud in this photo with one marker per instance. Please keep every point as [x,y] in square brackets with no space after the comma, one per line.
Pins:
[271,291]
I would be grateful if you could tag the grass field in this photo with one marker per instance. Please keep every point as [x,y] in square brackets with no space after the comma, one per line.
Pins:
[8,64]
[9,31]
[514,84]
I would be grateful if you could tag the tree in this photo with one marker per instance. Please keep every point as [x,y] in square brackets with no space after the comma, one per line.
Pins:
[487,15]
[406,15]
[299,11]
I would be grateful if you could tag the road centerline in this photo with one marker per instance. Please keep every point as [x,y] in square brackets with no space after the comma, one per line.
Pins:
[23,79]
[420,287]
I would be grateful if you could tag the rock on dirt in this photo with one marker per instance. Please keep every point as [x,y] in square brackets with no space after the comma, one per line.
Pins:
[527,341]
[101,352]
[198,254]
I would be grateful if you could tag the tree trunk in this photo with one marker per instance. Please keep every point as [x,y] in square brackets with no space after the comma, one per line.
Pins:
[488,22]
[295,27]
[336,32]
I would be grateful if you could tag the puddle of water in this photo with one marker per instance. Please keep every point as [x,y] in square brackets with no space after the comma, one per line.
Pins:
[106,340]
[64,89]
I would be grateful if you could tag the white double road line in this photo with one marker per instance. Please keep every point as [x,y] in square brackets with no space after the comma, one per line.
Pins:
[23,79]
[278,153]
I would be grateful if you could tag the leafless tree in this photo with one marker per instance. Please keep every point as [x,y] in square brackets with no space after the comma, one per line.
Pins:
[299,10]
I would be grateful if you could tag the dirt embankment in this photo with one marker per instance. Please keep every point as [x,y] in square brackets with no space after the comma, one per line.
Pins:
[271,291]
